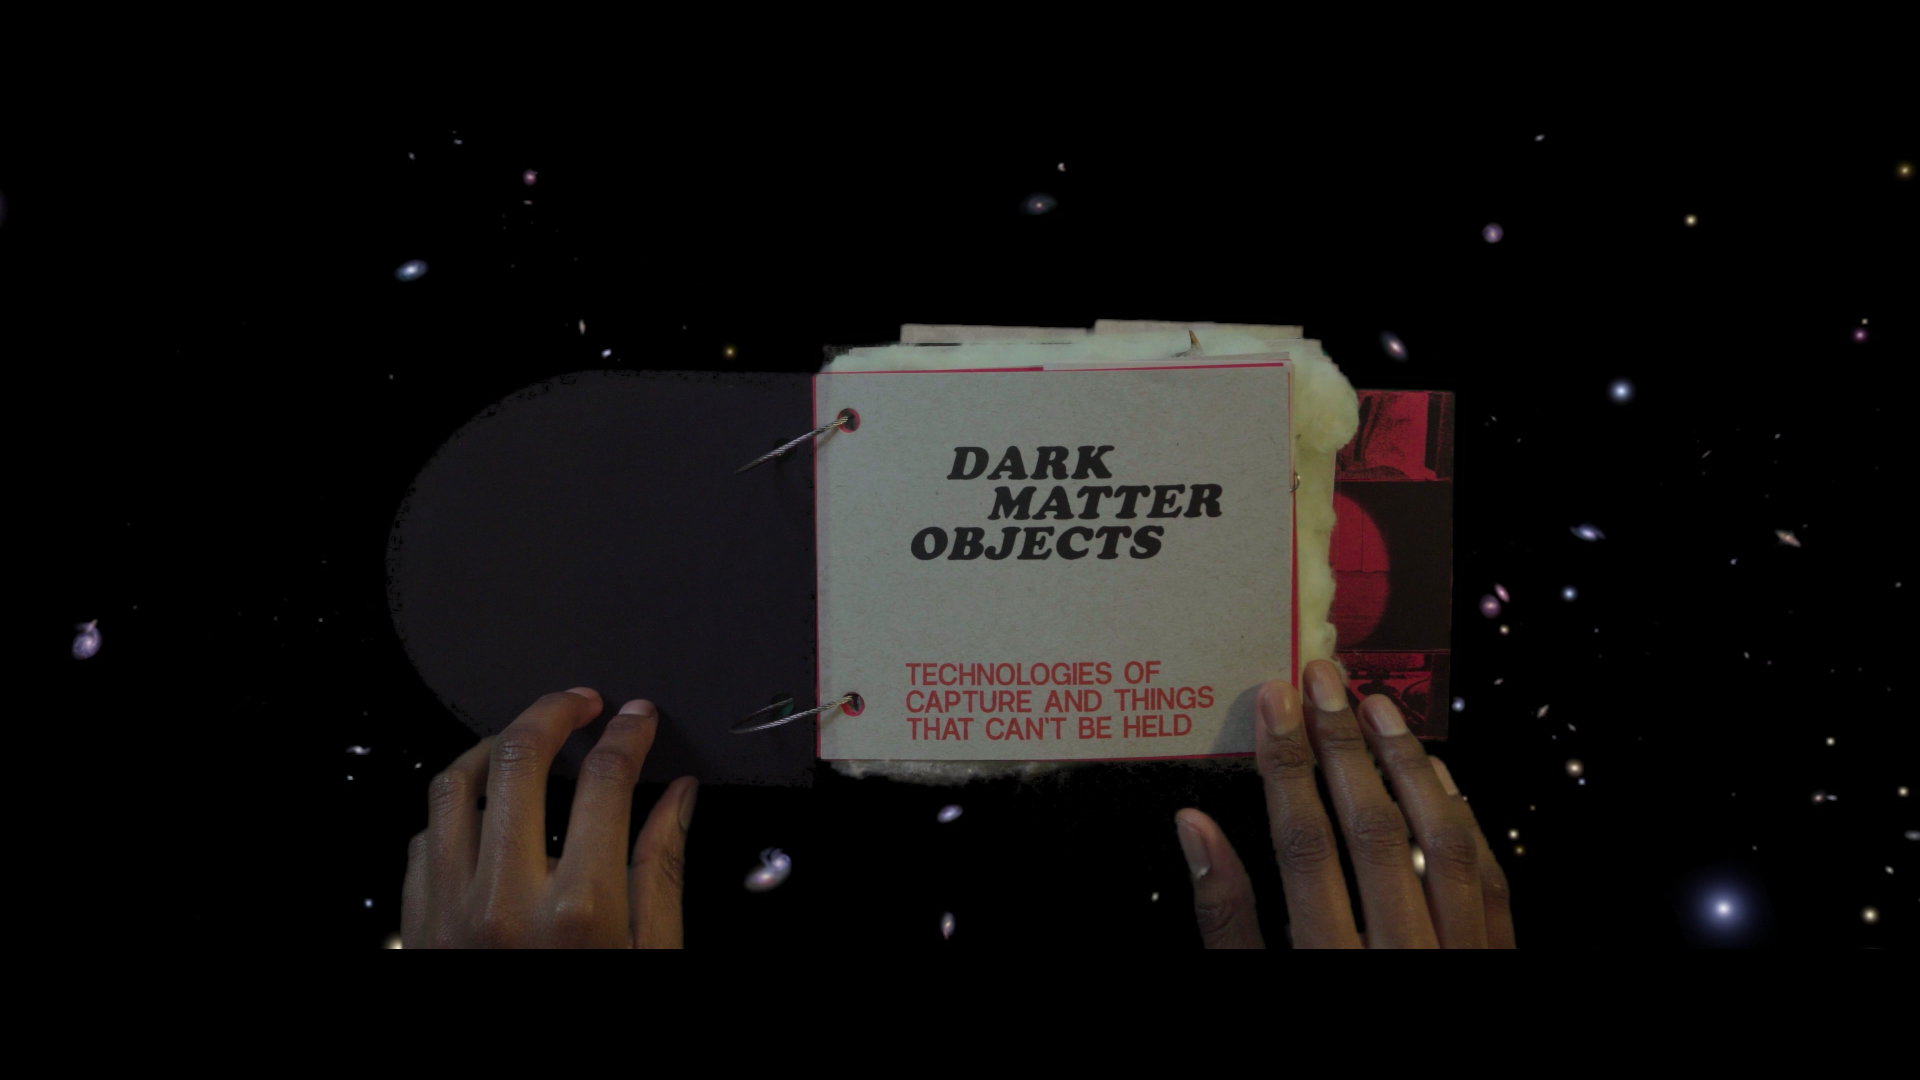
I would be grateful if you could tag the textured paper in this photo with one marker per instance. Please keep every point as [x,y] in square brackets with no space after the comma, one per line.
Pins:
[926,333]
[1204,621]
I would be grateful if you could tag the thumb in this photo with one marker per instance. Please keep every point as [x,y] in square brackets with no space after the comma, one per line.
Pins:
[1222,892]
[657,880]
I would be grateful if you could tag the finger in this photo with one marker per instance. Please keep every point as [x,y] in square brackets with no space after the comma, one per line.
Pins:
[413,895]
[513,841]
[1439,823]
[1222,892]
[1391,900]
[1493,880]
[596,851]
[453,823]
[657,881]
[1303,840]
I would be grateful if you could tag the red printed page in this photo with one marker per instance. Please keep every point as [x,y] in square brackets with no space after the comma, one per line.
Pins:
[1392,554]
[1053,565]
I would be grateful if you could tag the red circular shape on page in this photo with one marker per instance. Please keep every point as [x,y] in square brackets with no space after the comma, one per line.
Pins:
[1361,582]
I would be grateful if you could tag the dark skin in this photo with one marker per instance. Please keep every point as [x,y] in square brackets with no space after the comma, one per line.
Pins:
[1461,904]
[483,879]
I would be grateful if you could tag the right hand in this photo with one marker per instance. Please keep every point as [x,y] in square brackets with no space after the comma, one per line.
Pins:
[1461,904]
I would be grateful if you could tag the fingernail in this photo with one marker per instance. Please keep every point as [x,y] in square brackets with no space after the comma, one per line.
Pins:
[1446,776]
[1279,709]
[1323,686]
[1386,719]
[587,692]
[636,707]
[1193,847]
[686,806]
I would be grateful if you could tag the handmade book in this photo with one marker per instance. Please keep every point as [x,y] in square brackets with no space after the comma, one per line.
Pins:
[1035,549]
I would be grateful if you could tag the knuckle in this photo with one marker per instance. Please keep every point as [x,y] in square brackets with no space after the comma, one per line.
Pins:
[1493,884]
[417,847]
[1293,754]
[623,726]
[518,750]
[1303,846]
[1402,754]
[1342,739]
[668,863]
[574,913]
[1217,918]
[492,927]
[1451,850]
[448,791]
[1377,832]
[611,762]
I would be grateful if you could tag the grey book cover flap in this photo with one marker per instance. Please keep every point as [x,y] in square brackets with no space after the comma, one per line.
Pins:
[590,530]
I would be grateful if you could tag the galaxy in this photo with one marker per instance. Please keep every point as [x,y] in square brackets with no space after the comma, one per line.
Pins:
[772,871]
[86,643]
[1660,475]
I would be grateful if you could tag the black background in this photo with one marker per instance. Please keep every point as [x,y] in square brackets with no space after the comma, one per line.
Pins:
[224,393]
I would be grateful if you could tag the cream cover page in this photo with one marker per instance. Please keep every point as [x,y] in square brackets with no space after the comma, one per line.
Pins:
[1092,563]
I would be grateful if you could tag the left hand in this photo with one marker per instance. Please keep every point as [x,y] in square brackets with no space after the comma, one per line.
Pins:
[480,877]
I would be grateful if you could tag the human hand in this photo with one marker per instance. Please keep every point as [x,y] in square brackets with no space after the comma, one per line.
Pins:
[479,877]
[1463,904]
